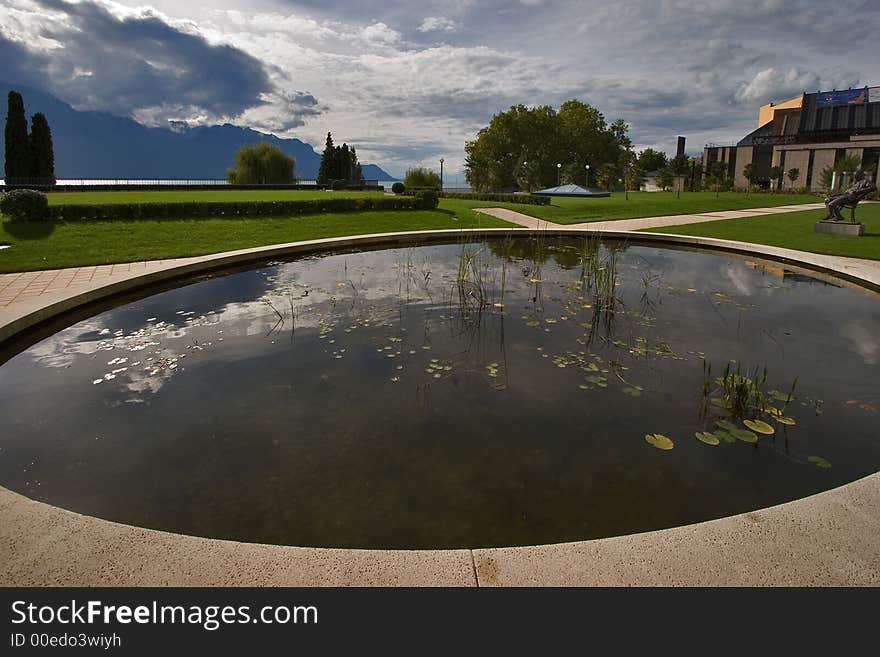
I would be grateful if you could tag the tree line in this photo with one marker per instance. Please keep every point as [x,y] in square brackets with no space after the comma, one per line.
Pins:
[30,157]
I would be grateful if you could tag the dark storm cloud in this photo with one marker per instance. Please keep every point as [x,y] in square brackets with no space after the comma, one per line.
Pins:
[130,64]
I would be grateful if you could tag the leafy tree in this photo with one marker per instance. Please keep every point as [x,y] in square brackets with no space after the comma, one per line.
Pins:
[846,164]
[679,165]
[421,178]
[665,178]
[18,148]
[651,160]
[261,164]
[42,153]
[793,174]
[776,174]
[522,146]
[717,175]
[749,175]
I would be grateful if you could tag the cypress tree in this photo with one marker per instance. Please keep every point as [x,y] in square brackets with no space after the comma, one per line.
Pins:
[356,168]
[42,154]
[18,148]
[325,171]
[344,161]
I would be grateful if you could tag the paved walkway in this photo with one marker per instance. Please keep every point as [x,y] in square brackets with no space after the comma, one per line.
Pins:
[646,222]
[29,285]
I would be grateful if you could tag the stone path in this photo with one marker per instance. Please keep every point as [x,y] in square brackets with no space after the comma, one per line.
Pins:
[646,222]
[27,286]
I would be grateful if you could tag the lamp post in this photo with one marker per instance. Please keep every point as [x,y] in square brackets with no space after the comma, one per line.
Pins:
[441,175]
[525,169]
[587,179]
[558,174]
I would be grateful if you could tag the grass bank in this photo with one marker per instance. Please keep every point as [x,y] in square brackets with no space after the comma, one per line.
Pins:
[51,245]
[793,230]
[640,204]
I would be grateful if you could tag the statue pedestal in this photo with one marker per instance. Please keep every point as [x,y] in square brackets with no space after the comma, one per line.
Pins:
[840,228]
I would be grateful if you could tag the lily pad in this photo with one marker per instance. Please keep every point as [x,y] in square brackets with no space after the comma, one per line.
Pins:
[659,441]
[724,435]
[819,461]
[786,420]
[781,396]
[759,426]
[708,438]
[728,426]
[744,435]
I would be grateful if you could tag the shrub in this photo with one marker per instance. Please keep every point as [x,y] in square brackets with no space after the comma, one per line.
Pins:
[398,188]
[428,199]
[420,177]
[524,199]
[25,205]
[336,185]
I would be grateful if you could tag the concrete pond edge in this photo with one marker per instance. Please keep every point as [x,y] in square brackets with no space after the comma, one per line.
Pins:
[828,539]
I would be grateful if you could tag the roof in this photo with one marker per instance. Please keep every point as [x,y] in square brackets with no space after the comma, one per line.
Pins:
[571,190]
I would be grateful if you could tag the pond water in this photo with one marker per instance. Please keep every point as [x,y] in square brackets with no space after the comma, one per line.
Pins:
[509,392]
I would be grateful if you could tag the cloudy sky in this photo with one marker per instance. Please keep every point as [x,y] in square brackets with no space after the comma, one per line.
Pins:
[408,83]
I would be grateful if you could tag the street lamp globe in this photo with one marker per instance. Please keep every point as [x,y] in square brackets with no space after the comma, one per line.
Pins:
[558,173]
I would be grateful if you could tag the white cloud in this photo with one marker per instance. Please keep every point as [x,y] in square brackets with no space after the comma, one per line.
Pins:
[438,24]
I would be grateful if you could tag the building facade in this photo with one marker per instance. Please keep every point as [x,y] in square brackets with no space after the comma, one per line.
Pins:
[808,133]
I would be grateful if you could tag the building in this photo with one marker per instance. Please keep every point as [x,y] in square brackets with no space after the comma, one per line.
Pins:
[809,132]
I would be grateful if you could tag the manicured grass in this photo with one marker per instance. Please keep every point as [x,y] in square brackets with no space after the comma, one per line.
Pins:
[109,198]
[47,245]
[640,204]
[793,230]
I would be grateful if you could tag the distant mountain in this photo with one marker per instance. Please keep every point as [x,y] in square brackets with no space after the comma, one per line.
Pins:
[100,145]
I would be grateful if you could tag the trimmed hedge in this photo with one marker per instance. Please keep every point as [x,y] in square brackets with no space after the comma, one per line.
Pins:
[398,188]
[129,211]
[524,199]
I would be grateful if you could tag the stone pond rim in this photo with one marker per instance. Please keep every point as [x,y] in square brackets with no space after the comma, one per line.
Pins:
[846,517]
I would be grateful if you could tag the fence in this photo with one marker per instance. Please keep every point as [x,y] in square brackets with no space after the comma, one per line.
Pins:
[123,184]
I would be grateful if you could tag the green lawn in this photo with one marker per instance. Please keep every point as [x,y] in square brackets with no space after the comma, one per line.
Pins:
[793,230]
[109,198]
[640,204]
[50,245]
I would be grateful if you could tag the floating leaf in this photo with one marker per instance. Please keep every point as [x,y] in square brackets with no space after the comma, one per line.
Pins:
[708,438]
[786,420]
[819,461]
[772,410]
[759,426]
[781,396]
[632,392]
[725,436]
[659,441]
[744,435]
[728,426]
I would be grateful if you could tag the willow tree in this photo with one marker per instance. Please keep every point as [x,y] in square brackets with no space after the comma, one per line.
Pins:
[261,164]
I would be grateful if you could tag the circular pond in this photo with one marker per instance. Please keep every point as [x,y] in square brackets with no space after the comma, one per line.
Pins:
[488,393]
